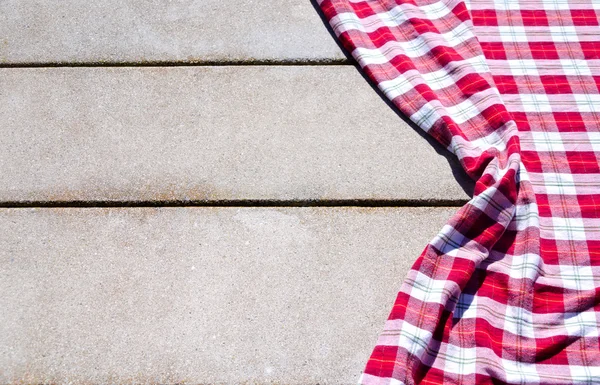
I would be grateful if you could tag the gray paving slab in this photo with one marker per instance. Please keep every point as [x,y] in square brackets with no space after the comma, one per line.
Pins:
[143,31]
[200,295]
[209,134]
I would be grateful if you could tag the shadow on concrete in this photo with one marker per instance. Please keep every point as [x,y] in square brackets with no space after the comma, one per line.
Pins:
[465,182]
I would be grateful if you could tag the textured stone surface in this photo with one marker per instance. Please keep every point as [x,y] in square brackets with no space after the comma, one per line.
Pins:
[134,31]
[209,133]
[200,295]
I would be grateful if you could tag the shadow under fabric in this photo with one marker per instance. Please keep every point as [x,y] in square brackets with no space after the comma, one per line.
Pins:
[508,292]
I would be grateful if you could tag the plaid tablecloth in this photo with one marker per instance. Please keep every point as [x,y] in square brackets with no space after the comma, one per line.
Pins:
[509,291]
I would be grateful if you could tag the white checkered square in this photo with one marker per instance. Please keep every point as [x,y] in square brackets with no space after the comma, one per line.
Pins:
[525,266]
[563,33]
[593,138]
[582,324]
[513,34]
[559,183]
[427,115]
[425,288]
[463,111]
[523,67]
[535,103]
[398,86]
[460,360]
[518,321]
[584,374]
[448,241]
[568,229]
[493,140]
[587,102]
[520,372]
[506,5]
[556,5]
[575,67]
[548,141]
[436,10]
[412,338]
[577,277]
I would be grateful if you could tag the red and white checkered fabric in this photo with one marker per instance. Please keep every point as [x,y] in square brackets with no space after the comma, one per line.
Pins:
[509,291]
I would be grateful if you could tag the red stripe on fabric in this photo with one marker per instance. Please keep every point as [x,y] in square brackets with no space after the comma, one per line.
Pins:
[382,361]
[584,17]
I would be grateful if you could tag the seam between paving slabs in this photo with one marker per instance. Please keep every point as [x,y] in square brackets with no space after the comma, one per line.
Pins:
[192,63]
[241,203]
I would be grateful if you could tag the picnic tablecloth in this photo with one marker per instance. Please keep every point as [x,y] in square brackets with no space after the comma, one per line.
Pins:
[509,291]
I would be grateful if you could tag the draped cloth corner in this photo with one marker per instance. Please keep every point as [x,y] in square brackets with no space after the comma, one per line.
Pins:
[508,292]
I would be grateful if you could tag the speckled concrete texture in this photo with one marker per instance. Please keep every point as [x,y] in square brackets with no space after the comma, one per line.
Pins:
[209,134]
[200,295]
[142,31]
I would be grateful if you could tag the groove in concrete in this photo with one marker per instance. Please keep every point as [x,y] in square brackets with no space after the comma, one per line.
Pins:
[197,63]
[242,203]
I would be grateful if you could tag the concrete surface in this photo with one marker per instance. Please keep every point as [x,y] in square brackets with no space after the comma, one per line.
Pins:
[142,31]
[200,295]
[208,134]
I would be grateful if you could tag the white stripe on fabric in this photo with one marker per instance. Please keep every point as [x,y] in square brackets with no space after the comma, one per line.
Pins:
[560,141]
[348,21]
[433,110]
[426,289]
[448,241]
[506,5]
[568,67]
[525,216]
[512,34]
[532,34]
[420,46]
[586,102]
[526,266]
[412,338]
[545,141]
[520,372]
[493,140]
[528,5]
[523,67]
[517,321]
[566,184]
[578,277]
[552,102]
[427,115]
[554,324]
[556,5]
[557,183]
[535,103]
[568,229]
[442,78]
[367,379]
[460,360]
